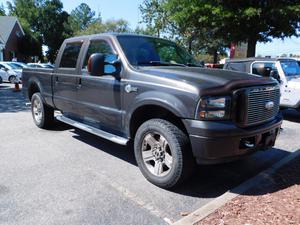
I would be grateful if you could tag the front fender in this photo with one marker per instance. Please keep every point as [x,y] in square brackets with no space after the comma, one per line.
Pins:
[164,100]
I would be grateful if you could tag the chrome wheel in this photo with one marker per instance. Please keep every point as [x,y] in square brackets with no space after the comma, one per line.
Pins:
[37,110]
[156,154]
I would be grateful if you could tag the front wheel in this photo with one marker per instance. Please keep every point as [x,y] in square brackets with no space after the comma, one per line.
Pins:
[42,114]
[163,153]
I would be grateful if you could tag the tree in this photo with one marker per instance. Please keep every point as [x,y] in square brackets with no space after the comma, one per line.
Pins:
[27,13]
[174,19]
[239,21]
[81,17]
[154,16]
[44,22]
[53,25]
[115,26]
[2,10]
[30,46]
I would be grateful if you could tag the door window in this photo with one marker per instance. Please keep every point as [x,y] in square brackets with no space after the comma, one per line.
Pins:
[99,46]
[70,55]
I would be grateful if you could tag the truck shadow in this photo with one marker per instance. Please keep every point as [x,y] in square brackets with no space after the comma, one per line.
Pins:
[291,115]
[11,101]
[207,181]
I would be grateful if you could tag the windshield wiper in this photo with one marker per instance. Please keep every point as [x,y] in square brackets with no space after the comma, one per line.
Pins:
[160,63]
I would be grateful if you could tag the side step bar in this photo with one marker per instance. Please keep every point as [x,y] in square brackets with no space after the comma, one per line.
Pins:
[111,137]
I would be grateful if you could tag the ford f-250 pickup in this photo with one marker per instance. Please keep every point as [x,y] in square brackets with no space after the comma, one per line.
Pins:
[125,87]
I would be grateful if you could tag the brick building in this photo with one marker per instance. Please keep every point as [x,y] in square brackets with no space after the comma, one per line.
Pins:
[10,34]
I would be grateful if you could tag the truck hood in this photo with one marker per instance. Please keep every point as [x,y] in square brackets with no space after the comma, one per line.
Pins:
[210,81]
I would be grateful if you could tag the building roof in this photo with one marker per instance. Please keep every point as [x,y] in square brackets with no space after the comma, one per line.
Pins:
[7,24]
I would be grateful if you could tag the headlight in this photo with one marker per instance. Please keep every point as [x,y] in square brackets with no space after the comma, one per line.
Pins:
[214,108]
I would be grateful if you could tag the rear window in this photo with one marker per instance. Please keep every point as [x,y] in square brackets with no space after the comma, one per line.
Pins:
[70,55]
[236,66]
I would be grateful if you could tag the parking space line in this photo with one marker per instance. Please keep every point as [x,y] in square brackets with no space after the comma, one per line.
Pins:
[134,198]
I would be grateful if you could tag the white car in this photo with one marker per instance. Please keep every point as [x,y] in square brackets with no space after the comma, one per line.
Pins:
[289,74]
[12,74]
[285,70]
[2,75]
[40,65]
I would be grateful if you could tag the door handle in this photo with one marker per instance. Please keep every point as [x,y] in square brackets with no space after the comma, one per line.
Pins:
[79,83]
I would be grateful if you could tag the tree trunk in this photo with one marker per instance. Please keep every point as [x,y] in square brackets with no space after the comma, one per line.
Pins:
[190,45]
[215,56]
[251,47]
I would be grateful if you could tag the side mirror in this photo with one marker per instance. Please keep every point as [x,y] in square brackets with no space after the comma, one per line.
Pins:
[275,75]
[101,64]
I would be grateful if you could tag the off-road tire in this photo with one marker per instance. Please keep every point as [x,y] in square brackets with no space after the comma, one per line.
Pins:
[183,162]
[47,113]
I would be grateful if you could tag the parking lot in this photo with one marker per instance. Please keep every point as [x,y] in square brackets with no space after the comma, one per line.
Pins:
[67,176]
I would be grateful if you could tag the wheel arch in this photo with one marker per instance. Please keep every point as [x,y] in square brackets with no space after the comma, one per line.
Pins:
[33,87]
[151,111]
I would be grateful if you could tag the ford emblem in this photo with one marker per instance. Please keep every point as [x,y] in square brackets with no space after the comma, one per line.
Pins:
[269,105]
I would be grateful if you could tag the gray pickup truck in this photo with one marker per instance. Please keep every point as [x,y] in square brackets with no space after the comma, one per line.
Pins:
[125,87]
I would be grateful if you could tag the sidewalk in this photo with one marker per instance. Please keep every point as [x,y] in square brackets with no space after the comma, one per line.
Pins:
[275,201]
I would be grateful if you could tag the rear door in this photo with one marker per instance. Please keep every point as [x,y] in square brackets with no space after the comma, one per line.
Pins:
[65,78]
[99,97]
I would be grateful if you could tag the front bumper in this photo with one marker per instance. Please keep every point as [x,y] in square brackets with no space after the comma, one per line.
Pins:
[217,142]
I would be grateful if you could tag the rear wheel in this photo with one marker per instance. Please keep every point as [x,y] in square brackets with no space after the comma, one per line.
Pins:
[42,114]
[163,153]
[12,79]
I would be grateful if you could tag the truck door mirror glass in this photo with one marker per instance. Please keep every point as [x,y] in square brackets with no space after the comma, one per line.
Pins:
[101,64]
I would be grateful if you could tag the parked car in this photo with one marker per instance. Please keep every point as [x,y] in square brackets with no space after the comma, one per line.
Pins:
[13,73]
[20,65]
[151,91]
[2,74]
[40,65]
[285,70]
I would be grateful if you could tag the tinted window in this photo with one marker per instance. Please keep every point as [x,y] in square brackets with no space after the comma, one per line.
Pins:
[290,67]
[99,46]
[70,55]
[263,68]
[238,66]
[148,51]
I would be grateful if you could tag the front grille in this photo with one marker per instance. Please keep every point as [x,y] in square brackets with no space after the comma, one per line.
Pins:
[262,104]
[257,105]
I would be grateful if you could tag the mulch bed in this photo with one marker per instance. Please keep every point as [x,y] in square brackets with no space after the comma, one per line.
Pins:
[275,201]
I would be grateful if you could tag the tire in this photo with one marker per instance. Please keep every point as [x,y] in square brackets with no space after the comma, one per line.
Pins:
[43,115]
[12,79]
[155,142]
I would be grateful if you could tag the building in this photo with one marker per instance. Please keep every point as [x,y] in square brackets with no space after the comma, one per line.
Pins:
[10,34]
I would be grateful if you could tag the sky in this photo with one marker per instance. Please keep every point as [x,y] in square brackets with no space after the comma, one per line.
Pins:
[129,10]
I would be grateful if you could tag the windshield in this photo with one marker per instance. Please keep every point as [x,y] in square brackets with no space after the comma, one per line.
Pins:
[148,51]
[290,68]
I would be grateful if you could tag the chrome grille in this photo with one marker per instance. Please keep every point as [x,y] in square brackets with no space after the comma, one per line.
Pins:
[263,104]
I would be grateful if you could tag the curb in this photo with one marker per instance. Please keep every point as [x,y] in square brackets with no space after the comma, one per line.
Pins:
[215,204]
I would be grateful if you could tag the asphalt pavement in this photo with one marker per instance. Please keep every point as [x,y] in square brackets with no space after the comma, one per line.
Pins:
[67,176]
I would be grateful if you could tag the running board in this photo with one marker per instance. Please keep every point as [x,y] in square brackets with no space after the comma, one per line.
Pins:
[111,137]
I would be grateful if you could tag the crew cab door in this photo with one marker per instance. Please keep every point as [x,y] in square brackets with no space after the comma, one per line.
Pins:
[99,97]
[65,78]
